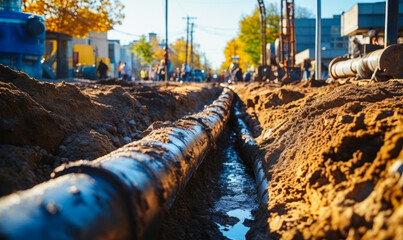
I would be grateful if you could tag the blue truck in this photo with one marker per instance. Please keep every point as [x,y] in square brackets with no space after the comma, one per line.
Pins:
[22,38]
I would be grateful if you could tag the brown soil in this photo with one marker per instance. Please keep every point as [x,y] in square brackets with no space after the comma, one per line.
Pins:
[328,154]
[328,148]
[43,124]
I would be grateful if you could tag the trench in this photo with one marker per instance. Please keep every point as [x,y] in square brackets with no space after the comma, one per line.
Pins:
[136,185]
[219,201]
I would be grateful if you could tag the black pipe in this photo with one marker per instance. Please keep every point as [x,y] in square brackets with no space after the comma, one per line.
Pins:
[250,152]
[391,22]
[121,195]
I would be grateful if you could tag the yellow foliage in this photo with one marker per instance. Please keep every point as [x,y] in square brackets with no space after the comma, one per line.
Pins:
[77,17]
[235,47]
[158,52]
[179,56]
[247,44]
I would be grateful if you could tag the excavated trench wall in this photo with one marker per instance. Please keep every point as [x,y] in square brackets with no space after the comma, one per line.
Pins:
[120,195]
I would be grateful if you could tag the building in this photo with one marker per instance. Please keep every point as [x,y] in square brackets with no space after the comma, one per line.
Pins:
[98,41]
[114,56]
[88,52]
[363,17]
[333,44]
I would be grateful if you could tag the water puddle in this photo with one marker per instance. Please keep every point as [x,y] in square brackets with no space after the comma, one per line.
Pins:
[239,230]
[217,202]
[239,198]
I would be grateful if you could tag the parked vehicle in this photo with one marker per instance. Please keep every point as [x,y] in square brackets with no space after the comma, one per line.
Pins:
[198,75]
[22,39]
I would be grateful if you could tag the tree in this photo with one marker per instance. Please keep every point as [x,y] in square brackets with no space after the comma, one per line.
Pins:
[179,52]
[249,34]
[77,17]
[178,55]
[235,48]
[144,50]
[301,12]
[158,52]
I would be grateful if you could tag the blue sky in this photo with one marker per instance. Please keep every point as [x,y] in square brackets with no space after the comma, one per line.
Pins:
[217,20]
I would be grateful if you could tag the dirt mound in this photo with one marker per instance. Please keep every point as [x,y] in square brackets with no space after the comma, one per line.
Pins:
[35,113]
[43,124]
[328,153]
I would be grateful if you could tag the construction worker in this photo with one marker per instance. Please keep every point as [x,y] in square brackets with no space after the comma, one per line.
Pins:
[102,69]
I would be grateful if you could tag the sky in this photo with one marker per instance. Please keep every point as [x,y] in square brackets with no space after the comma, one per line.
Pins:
[216,23]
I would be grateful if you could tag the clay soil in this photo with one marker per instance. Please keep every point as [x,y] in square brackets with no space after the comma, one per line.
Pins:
[328,152]
[327,148]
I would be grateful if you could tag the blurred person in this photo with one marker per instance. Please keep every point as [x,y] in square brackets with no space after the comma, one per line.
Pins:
[373,37]
[307,67]
[356,48]
[128,72]
[238,76]
[143,74]
[176,74]
[102,69]
[185,71]
[161,70]
[123,72]
[247,76]
[119,69]
[208,77]
[155,77]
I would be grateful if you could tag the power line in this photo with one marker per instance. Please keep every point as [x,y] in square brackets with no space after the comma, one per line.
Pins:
[180,6]
[219,29]
[191,46]
[214,32]
[126,33]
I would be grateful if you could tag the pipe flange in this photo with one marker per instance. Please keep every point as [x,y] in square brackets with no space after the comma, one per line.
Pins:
[333,62]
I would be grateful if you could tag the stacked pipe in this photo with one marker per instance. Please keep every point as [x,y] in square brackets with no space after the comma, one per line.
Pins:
[121,195]
[386,62]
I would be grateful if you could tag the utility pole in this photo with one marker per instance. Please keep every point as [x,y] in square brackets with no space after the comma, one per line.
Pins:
[318,39]
[191,49]
[391,22]
[205,63]
[166,42]
[187,36]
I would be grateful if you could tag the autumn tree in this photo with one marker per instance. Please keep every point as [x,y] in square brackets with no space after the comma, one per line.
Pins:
[152,53]
[158,51]
[235,48]
[144,50]
[250,32]
[77,17]
[178,55]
